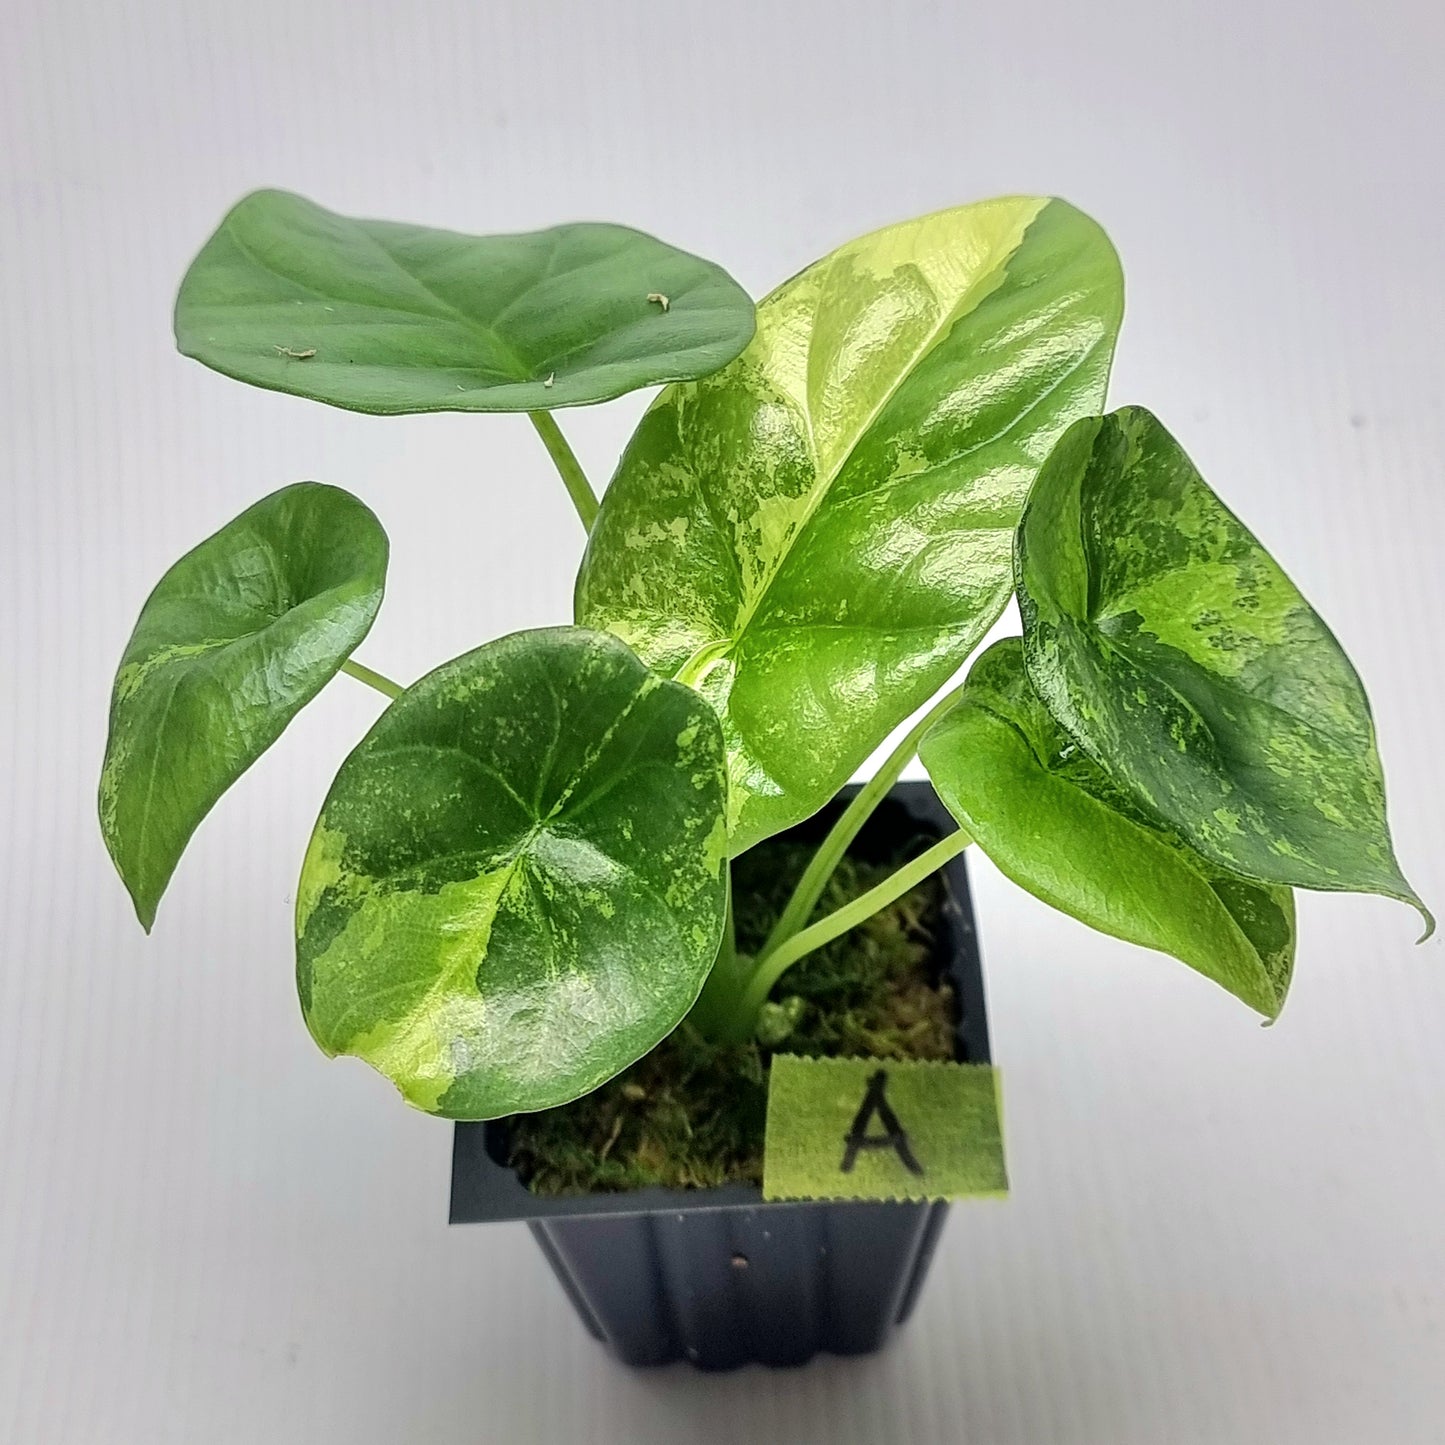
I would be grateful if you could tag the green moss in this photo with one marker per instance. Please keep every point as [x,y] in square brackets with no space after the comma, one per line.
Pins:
[691,1114]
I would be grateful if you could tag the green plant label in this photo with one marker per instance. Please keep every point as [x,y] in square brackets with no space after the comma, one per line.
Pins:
[876,1129]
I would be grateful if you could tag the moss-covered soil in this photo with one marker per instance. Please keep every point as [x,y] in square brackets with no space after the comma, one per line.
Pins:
[691,1114]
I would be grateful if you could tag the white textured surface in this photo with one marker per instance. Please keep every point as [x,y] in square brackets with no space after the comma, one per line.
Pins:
[209,1233]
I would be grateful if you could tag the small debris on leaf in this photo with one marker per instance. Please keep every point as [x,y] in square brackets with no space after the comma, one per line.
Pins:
[296,355]
[659,298]
[551,377]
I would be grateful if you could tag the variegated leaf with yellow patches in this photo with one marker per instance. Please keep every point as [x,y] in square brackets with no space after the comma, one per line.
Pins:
[237,637]
[517,883]
[1051,819]
[816,537]
[1174,649]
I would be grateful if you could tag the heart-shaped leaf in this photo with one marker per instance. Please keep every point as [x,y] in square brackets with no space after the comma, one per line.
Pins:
[382,317]
[236,638]
[1177,653]
[818,536]
[517,884]
[1052,821]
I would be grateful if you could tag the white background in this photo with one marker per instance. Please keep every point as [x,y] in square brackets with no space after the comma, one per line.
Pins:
[208,1233]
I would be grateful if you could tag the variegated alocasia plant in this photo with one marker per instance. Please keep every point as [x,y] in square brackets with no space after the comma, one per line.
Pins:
[518,884]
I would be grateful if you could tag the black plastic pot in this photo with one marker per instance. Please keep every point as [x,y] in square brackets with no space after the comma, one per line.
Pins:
[719,1277]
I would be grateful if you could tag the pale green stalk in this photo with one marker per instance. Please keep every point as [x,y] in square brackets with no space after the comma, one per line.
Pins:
[771,968]
[573,477]
[362,673]
[831,850]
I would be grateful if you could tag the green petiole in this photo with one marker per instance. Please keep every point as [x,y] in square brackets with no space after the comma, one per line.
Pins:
[831,850]
[772,966]
[384,685]
[573,477]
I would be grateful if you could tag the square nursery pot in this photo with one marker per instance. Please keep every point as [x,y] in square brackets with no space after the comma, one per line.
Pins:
[719,1277]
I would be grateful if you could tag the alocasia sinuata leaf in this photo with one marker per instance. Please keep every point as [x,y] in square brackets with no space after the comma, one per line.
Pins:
[1051,820]
[382,317]
[816,537]
[518,881]
[1172,647]
[236,638]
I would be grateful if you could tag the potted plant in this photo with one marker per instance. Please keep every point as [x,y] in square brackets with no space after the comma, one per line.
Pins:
[587,880]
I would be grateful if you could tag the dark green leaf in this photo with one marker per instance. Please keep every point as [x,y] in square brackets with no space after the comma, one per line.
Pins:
[382,317]
[238,636]
[517,884]
[1053,822]
[818,536]
[1173,648]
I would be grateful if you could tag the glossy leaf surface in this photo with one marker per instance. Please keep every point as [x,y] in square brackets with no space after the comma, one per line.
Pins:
[382,317]
[516,886]
[1051,820]
[817,537]
[1173,648]
[237,637]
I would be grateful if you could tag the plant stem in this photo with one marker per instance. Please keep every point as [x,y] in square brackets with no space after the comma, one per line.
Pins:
[573,477]
[362,673]
[830,852]
[772,967]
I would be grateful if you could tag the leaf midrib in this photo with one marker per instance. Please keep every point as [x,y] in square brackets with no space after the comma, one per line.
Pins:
[822,488]
[1054,386]
[450,979]
[469,323]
